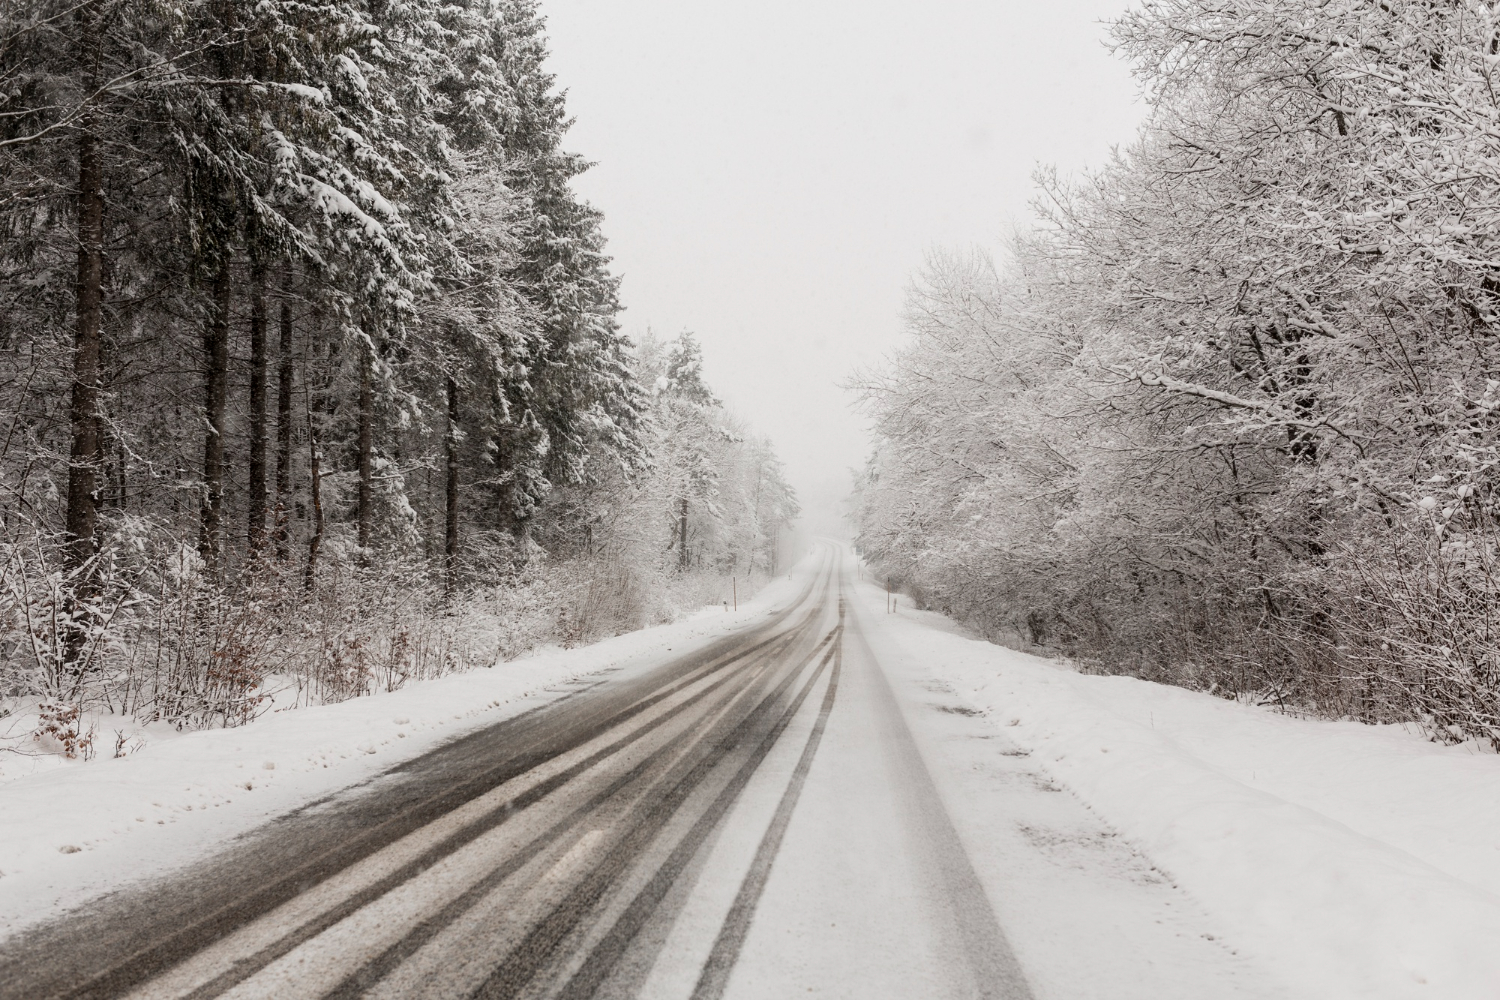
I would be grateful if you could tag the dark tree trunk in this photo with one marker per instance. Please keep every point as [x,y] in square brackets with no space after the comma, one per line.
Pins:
[84,454]
[450,538]
[257,501]
[109,479]
[366,438]
[314,540]
[315,454]
[215,388]
[284,433]
[682,549]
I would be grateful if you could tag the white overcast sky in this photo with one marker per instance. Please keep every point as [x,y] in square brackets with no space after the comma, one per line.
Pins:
[772,174]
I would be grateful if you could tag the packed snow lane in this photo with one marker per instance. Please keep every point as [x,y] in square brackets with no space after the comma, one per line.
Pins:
[774,814]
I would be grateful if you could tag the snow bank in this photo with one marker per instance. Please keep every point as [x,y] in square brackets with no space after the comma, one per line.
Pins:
[70,830]
[1361,861]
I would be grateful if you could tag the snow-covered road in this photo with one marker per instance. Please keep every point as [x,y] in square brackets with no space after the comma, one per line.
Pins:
[808,805]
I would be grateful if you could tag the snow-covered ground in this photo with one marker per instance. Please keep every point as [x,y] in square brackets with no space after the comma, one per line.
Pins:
[1357,861]
[1352,861]
[72,829]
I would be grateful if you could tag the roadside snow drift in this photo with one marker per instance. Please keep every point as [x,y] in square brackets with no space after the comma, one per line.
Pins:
[70,829]
[1363,861]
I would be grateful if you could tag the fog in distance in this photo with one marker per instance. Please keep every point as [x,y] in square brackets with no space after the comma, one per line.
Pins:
[772,174]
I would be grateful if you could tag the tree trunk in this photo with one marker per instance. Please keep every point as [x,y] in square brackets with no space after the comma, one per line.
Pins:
[682,549]
[215,386]
[257,502]
[450,538]
[315,540]
[314,456]
[109,477]
[84,454]
[284,434]
[366,438]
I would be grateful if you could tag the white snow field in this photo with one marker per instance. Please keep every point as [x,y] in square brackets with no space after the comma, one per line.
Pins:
[1355,861]
[71,830]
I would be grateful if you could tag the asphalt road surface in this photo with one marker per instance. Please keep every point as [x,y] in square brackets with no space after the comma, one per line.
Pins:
[649,836]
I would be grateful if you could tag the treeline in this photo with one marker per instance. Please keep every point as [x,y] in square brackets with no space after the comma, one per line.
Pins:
[303,330]
[1228,418]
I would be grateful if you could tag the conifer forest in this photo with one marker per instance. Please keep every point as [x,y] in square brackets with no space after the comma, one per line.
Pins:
[311,364]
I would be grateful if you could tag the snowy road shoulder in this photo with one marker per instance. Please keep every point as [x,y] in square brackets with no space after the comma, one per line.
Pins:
[1360,861]
[73,829]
